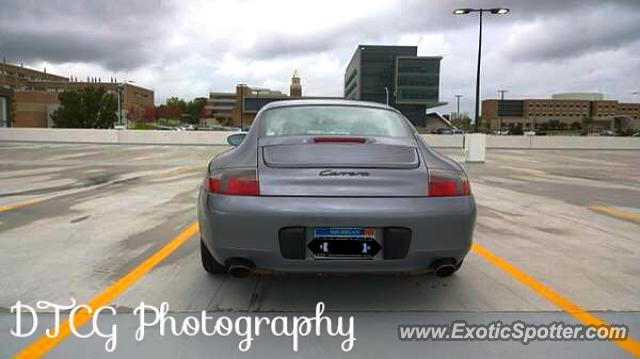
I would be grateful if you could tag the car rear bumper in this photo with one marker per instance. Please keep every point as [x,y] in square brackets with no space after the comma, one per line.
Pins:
[248,227]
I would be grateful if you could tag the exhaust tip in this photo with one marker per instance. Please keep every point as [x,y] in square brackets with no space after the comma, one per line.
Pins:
[239,267]
[445,267]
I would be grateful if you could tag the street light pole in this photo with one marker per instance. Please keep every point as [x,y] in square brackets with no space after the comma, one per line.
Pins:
[477,111]
[242,88]
[500,112]
[495,11]
[386,91]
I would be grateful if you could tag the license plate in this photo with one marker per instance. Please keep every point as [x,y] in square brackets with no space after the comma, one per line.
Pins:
[344,242]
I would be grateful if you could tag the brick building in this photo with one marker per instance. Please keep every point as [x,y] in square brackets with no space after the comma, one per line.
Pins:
[562,112]
[28,96]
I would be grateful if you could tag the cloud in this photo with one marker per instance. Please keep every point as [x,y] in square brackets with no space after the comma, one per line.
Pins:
[563,36]
[116,34]
[190,47]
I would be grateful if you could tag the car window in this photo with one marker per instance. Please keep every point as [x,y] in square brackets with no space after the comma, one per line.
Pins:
[333,120]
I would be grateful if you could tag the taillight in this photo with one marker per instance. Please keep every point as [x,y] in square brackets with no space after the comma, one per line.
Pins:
[234,181]
[444,183]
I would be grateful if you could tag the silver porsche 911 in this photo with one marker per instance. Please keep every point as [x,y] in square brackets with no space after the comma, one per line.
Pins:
[334,186]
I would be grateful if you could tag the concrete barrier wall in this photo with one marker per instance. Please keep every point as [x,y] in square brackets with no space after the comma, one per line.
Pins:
[509,141]
[150,137]
[572,142]
[212,138]
[444,141]
[563,142]
[173,137]
[58,135]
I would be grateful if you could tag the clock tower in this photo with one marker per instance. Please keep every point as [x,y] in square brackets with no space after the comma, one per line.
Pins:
[295,90]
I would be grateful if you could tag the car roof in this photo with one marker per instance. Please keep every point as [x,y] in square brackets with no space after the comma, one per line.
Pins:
[327,102]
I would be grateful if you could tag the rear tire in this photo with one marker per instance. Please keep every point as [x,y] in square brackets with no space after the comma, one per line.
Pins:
[208,262]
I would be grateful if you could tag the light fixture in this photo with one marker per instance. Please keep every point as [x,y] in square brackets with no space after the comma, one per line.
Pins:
[499,11]
[461,11]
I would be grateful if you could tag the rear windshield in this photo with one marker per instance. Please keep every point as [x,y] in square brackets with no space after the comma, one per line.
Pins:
[332,120]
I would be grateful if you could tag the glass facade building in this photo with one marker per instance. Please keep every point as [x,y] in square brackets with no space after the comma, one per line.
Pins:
[411,82]
[417,80]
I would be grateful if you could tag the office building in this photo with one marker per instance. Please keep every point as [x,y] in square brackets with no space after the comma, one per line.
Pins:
[220,106]
[397,76]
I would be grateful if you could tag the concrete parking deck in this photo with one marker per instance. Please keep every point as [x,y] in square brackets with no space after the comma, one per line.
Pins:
[76,218]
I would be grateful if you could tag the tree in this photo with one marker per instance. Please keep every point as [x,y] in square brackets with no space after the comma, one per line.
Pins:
[204,113]
[91,107]
[149,114]
[176,101]
[463,121]
[173,108]
[179,109]
[194,108]
[134,113]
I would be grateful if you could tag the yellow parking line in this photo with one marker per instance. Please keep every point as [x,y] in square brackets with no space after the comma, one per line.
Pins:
[188,169]
[629,344]
[615,212]
[17,205]
[44,344]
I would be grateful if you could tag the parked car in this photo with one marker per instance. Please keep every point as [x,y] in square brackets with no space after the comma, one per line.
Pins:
[607,133]
[443,131]
[224,128]
[334,186]
[165,128]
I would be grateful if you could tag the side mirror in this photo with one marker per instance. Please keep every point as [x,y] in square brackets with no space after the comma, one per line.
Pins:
[236,139]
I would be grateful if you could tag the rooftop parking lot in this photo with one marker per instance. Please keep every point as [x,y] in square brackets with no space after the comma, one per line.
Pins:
[76,218]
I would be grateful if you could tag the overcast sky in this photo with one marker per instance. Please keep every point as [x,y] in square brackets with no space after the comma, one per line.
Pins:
[188,48]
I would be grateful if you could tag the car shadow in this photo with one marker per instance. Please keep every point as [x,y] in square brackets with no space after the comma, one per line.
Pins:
[301,292]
